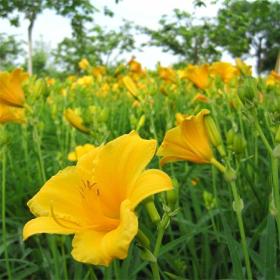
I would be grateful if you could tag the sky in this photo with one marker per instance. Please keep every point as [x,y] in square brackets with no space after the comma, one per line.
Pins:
[53,28]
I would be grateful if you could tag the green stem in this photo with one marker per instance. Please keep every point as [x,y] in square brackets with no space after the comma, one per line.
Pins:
[4,229]
[37,141]
[237,200]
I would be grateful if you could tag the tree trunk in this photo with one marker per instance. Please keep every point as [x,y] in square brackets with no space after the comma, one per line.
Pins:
[30,29]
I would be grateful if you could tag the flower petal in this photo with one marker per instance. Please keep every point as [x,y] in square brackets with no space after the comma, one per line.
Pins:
[150,182]
[46,225]
[99,248]
[61,197]
[196,138]
[120,163]
[174,147]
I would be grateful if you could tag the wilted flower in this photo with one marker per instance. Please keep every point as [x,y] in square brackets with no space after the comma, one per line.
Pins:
[95,200]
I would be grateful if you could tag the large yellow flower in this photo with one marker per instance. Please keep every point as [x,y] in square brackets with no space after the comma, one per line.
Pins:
[95,200]
[11,92]
[187,141]
[75,120]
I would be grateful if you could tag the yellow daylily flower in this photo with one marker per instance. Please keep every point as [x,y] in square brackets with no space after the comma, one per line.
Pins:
[167,74]
[95,200]
[273,78]
[225,70]
[84,64]
[11,114]
[135,66]
[75,120]
[187,141]
[11,92]
[198,75]
[80,151]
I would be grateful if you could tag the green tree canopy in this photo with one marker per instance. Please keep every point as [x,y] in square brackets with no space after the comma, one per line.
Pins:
[98,45]
[250,28]
[10,49]
[183,35]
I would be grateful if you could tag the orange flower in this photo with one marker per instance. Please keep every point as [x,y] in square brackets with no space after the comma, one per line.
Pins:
[187,141]
[11,92]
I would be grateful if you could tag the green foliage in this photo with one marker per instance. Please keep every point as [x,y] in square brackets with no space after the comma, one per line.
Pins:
[250,28]
[97,45]
[181,35]
[10,49]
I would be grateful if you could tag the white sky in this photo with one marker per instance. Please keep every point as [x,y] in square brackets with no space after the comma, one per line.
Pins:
[53,28]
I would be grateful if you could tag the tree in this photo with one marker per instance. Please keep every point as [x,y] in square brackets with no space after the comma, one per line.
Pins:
[192,42]
[250,28]
[78,11]
[10,49]
[96,44]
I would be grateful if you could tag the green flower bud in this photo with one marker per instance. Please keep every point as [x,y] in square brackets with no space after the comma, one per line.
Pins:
[141,122]
[239,144]
[229,174]
[229,136]
[214,134]
[151,209]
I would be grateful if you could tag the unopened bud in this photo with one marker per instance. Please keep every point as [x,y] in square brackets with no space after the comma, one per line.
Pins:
[151,209]
[229,174]
[141,122]
[214,134]
[229,137]
[172,195]
[238,205]
[239,144]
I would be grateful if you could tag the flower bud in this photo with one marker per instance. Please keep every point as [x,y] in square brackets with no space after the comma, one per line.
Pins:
[229,174]
[239,144]
[141,122]
[229,137]
[214,134]
[172,195]
[151,209]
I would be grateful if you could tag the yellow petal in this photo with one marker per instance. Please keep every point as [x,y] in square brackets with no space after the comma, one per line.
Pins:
[100,248]
[174,147]
[196,137]
[188,141]
[61,197]
[46,225]
[149,182]
[120,163]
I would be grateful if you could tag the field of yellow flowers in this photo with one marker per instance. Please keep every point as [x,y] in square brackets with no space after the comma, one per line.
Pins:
[127,173]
